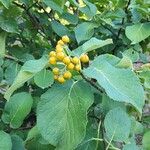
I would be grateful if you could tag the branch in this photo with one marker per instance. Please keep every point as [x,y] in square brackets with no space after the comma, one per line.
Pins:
[122,23]
[92,83]
[41,7]
[11,58]
[123,19]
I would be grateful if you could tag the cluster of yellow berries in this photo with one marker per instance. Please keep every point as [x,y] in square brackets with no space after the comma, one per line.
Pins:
[70,63]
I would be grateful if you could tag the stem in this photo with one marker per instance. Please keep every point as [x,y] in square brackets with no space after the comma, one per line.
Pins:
[122,23]
[11,58]
[98,131]
[92,83]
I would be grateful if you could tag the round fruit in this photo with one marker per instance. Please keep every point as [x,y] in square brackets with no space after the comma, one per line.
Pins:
[52,54]
[55,77]
[59,48]
[84,58]
[56,71]
[67,75]
[75,60]
[61,79]
[66,39]
[66,60]
[77,67]
[70,66]
[60,55]
[52,60]
[60,42]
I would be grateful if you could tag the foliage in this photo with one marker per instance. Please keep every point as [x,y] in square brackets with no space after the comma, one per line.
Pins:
[74,74]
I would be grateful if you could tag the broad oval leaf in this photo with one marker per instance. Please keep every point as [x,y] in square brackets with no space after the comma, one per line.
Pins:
[138,32]
[89,10]
[84,31]
[11,72]
[34,66]
[21,78]
[71,18]
[52,4]
[120,84]
[28,70]
[44,78]
[17,143]
[5,142]
[131,145]
[17,109]
[117,125]
[60,29]
[69,104]
[90,45]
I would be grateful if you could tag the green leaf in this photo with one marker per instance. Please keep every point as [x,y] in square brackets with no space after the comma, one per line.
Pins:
[11,72]
[117,125]
[17,143]
[146,141]
[6,3]
[131,145]
[69,104]
[44,78]
[21,78]
[17,109]
[35,141]
[145,75]
[5,142]
[90,45]
[138,32]
[136,127]
[132,54]
[36,145]
[89,10]
[34,66]
[28,70]
[35,134]
[71,18]
[109,104]
[88,143]
[125,62]
[2,43]
[8,25]
[9,19]
[59,29]
[84,31]
[120,84]
[53,5]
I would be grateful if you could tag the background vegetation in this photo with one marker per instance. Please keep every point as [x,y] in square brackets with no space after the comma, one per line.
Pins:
[105,105]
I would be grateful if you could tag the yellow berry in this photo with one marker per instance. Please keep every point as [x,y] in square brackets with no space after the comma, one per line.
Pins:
[65,39]
[61,79]
[60,55]
[70,66]
[52,54]
[66,60]
[56,71]
[78,67]
[52,60]
[84,58]
[59,48]
[60,42]
[55,77]
[75,60]
[67,75]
